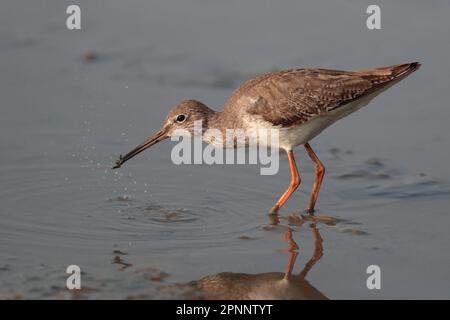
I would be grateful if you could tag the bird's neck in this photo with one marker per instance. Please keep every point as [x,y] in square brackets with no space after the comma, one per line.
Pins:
[221,121]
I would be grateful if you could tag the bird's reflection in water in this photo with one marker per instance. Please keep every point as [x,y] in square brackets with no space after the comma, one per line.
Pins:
[272,285]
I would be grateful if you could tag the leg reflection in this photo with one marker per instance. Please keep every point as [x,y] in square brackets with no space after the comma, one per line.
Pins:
[318,251]
[293,253]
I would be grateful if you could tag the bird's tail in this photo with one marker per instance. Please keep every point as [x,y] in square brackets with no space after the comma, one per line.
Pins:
[397,71]
[402,70]
[383,78]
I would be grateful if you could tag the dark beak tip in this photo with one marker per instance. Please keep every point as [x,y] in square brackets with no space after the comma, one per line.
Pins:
[118,163]
[158,136]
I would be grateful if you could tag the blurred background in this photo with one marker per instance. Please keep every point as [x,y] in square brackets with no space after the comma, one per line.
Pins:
[73,100]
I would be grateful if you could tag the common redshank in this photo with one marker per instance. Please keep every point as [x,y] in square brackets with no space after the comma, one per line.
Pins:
[299,103]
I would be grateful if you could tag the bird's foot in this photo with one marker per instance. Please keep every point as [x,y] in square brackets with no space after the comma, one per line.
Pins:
[274,219]
[274,209]
[310,211]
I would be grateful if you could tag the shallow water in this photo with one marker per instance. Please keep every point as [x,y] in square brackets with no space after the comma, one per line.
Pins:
[73,101]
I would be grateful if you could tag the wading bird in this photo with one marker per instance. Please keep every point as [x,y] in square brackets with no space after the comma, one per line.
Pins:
[299,103]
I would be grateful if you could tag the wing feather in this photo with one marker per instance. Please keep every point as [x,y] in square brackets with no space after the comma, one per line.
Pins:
[295,96]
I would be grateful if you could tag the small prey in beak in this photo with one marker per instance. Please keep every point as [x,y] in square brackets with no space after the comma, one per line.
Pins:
[158,136]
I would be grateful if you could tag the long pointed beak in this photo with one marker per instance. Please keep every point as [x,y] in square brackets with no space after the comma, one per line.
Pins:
[155,138]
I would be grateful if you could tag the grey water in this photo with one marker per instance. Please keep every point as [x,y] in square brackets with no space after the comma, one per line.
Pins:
[72,101]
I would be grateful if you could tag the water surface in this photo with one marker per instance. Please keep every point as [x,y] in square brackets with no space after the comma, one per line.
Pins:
[72,101]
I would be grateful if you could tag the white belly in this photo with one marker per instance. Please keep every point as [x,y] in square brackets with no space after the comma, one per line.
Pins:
[290,137]
[299,135]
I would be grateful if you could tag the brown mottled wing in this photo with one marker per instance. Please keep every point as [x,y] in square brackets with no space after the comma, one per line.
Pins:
[295,96]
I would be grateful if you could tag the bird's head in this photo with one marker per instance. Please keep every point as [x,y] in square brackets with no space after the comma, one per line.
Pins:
[179,121]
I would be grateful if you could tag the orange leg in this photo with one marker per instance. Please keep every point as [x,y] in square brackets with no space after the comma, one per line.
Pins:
[295,182]
[320,172]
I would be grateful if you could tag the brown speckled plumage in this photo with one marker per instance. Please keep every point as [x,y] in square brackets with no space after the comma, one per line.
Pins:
[299,104]
[295,96]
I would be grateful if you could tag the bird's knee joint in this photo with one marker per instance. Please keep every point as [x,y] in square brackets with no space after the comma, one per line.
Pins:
[321,170]
[295,182]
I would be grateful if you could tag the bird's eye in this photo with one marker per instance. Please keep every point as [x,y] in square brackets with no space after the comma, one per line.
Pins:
[181,118]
